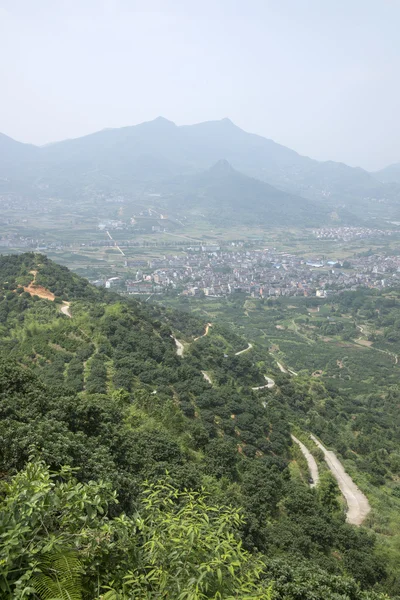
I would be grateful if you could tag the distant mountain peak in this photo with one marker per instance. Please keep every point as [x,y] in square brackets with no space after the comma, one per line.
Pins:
[390,174]
[160,122]
[222,166]
[228,121]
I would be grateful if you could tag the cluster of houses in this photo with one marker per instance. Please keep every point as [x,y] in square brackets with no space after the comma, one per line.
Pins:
[347,234]
[213,272]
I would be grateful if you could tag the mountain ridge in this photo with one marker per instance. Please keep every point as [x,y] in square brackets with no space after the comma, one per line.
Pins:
[389,174]
[116,154]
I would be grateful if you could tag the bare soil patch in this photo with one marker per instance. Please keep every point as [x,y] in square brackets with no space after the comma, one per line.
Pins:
[38,290]
[364,342]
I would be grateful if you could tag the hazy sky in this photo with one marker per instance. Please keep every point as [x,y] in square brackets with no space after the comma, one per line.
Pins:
[319,76]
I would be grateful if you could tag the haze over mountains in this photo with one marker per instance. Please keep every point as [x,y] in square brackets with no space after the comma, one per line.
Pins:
[176,160]
[390,174]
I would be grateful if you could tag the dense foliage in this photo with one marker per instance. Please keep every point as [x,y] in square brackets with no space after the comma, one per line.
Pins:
[207,504]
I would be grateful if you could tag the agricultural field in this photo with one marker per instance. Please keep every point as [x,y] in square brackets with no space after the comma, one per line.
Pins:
[308,334]
[349,346]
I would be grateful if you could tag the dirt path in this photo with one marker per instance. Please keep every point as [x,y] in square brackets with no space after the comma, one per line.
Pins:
[38,290]
[396,358]
[312,464]
[179,346]
[270,384]
[249,347]
[65,309]
[204,334]
[357,503]
[207,377]
[367,344]
[302,335]
[181,236]
[281,367]
[115,243]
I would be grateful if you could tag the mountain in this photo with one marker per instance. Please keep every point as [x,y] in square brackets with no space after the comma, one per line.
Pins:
[201,145]
[225,196]
[15,154]
[211,500]
[390,174]
[129,159]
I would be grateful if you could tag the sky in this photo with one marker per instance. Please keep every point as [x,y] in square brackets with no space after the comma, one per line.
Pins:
[319,76]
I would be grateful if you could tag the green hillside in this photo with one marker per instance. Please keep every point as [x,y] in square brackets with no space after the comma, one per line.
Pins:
[126,474]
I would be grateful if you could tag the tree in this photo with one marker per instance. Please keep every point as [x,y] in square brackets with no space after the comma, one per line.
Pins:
[328,492]
[190,550]
[55,531]
[57,541]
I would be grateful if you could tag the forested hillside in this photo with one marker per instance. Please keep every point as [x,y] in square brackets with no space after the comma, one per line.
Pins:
[127,473]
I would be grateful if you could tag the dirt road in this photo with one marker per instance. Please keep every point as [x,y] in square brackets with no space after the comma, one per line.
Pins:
[38,290]
[207,377]
[179,346]
[65,309]
[357,504]
[249,347]
[115,243]
[312,464]
[270,384]
[205,333]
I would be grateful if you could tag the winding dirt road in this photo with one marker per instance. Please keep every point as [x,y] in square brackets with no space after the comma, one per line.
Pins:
[357,503]
[312,464]
[204,334]
[270,384]
[249,347]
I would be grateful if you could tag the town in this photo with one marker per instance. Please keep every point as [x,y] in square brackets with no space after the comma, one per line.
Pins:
[215,272]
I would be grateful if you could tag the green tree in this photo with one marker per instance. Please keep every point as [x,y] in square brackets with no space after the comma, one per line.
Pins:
[55,534]
[328,492]
[190,550]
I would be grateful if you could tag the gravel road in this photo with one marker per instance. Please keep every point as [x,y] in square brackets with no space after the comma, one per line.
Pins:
[270,384]
[65,309]
[207,377]
[179,346]
[249,347]
[357,503]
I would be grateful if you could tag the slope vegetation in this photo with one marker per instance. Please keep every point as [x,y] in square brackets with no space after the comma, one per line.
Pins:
[201,473]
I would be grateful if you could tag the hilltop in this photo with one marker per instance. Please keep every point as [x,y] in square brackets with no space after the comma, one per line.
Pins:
[105,391]
[225,196]
[390,174]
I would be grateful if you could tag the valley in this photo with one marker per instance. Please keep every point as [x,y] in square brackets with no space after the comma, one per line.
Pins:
[199,300]
[199,314]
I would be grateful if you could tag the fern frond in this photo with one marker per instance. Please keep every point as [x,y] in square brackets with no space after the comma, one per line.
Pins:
[58,577]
